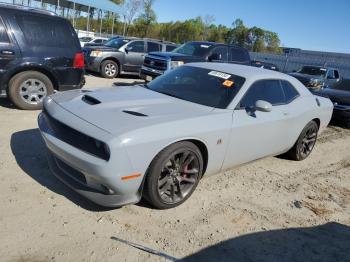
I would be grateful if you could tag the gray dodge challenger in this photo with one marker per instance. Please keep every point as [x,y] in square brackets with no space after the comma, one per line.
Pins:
[156,141]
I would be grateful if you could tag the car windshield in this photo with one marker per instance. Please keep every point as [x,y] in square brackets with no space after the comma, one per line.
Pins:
[310,70]
[85,39]
[193,49]
[199,85]
[116,42]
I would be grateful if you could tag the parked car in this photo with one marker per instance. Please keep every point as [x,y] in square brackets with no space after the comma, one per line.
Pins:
[157,140]
[265,65]
[85,39]
[96,41]
[39,53]
[316,77]
[122,55]
[339,93]
[156,63]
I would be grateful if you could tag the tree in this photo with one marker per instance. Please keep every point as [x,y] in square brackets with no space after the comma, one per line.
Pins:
[147,18]
[131,9]
[207,22]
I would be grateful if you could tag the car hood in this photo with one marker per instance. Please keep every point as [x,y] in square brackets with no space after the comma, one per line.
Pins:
[121,109]
[335,95]
[177,56]
[100,47]
[305,76]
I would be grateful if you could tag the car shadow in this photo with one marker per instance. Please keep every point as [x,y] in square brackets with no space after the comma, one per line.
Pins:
[30,153]
[121,83]
[329,242]
[5,102]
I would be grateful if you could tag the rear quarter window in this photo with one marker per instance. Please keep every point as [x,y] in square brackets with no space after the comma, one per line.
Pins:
[46,31]
[289,90]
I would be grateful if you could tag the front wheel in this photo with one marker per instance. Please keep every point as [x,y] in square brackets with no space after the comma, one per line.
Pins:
[305,143]
[109,69]
[174,175]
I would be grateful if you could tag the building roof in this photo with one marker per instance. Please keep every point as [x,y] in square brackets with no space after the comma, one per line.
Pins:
[83,5]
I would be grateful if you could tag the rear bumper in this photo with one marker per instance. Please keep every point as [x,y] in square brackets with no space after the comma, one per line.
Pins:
[72,87]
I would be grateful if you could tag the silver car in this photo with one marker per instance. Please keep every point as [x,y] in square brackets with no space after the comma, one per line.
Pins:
[117,145]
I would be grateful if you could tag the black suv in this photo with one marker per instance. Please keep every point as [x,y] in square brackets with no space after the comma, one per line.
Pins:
[156,63]
[122,55]
[39,53]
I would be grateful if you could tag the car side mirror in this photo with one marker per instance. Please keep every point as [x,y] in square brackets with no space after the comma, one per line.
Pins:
[263,106]
[214,57]
[128,49]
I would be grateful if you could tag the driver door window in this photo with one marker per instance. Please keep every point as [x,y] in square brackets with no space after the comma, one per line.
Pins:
[137,47]
[330,74]
[267,90]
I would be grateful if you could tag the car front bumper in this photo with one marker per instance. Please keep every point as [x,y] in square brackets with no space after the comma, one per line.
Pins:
[96,179]
[77,181]
[153,73]
[93,64]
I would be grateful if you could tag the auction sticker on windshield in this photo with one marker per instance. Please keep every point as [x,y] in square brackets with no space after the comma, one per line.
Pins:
[219,74]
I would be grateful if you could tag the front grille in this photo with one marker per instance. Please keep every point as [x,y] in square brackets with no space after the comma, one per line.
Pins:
[73,137]
[68,170]
[158,64]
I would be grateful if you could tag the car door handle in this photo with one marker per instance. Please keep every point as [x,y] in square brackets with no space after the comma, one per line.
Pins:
[285,113]
[7,52]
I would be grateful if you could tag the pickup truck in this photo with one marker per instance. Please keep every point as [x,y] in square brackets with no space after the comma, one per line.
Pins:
[156,63]
[317,77]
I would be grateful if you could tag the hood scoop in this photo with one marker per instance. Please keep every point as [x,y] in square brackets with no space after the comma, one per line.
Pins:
[134,113]
[90,100]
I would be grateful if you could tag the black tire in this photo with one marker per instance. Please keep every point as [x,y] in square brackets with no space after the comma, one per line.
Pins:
[18,88]
[298,152]
[109,69]
[158,167]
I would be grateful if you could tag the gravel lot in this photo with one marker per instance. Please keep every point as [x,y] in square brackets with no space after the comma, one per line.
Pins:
[268,210]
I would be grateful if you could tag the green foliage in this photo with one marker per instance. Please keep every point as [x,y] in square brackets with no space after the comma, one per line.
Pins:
[196,29]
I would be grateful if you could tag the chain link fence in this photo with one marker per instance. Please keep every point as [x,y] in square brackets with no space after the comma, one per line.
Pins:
[293,61]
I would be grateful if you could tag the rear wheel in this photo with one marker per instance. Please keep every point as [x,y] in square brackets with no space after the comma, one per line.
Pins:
[305,143]
[109,69]
[28,89]
[174,175]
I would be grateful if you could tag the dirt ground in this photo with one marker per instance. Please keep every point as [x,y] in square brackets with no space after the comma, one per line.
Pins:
[269,210]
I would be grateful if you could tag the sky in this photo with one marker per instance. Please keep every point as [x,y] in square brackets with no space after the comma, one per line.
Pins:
[320,25]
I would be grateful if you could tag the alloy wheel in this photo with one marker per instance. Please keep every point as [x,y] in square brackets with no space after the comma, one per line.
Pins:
[307,143]
[33,91]
[178,176]
[110,70]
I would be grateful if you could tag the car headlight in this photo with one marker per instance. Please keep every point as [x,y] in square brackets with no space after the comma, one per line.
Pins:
[175,64]
[315,82]
[96,53]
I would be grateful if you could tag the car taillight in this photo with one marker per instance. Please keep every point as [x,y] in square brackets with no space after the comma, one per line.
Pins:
[79,60]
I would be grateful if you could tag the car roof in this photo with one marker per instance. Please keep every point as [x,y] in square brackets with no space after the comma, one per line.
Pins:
[242,70]
[215,44]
